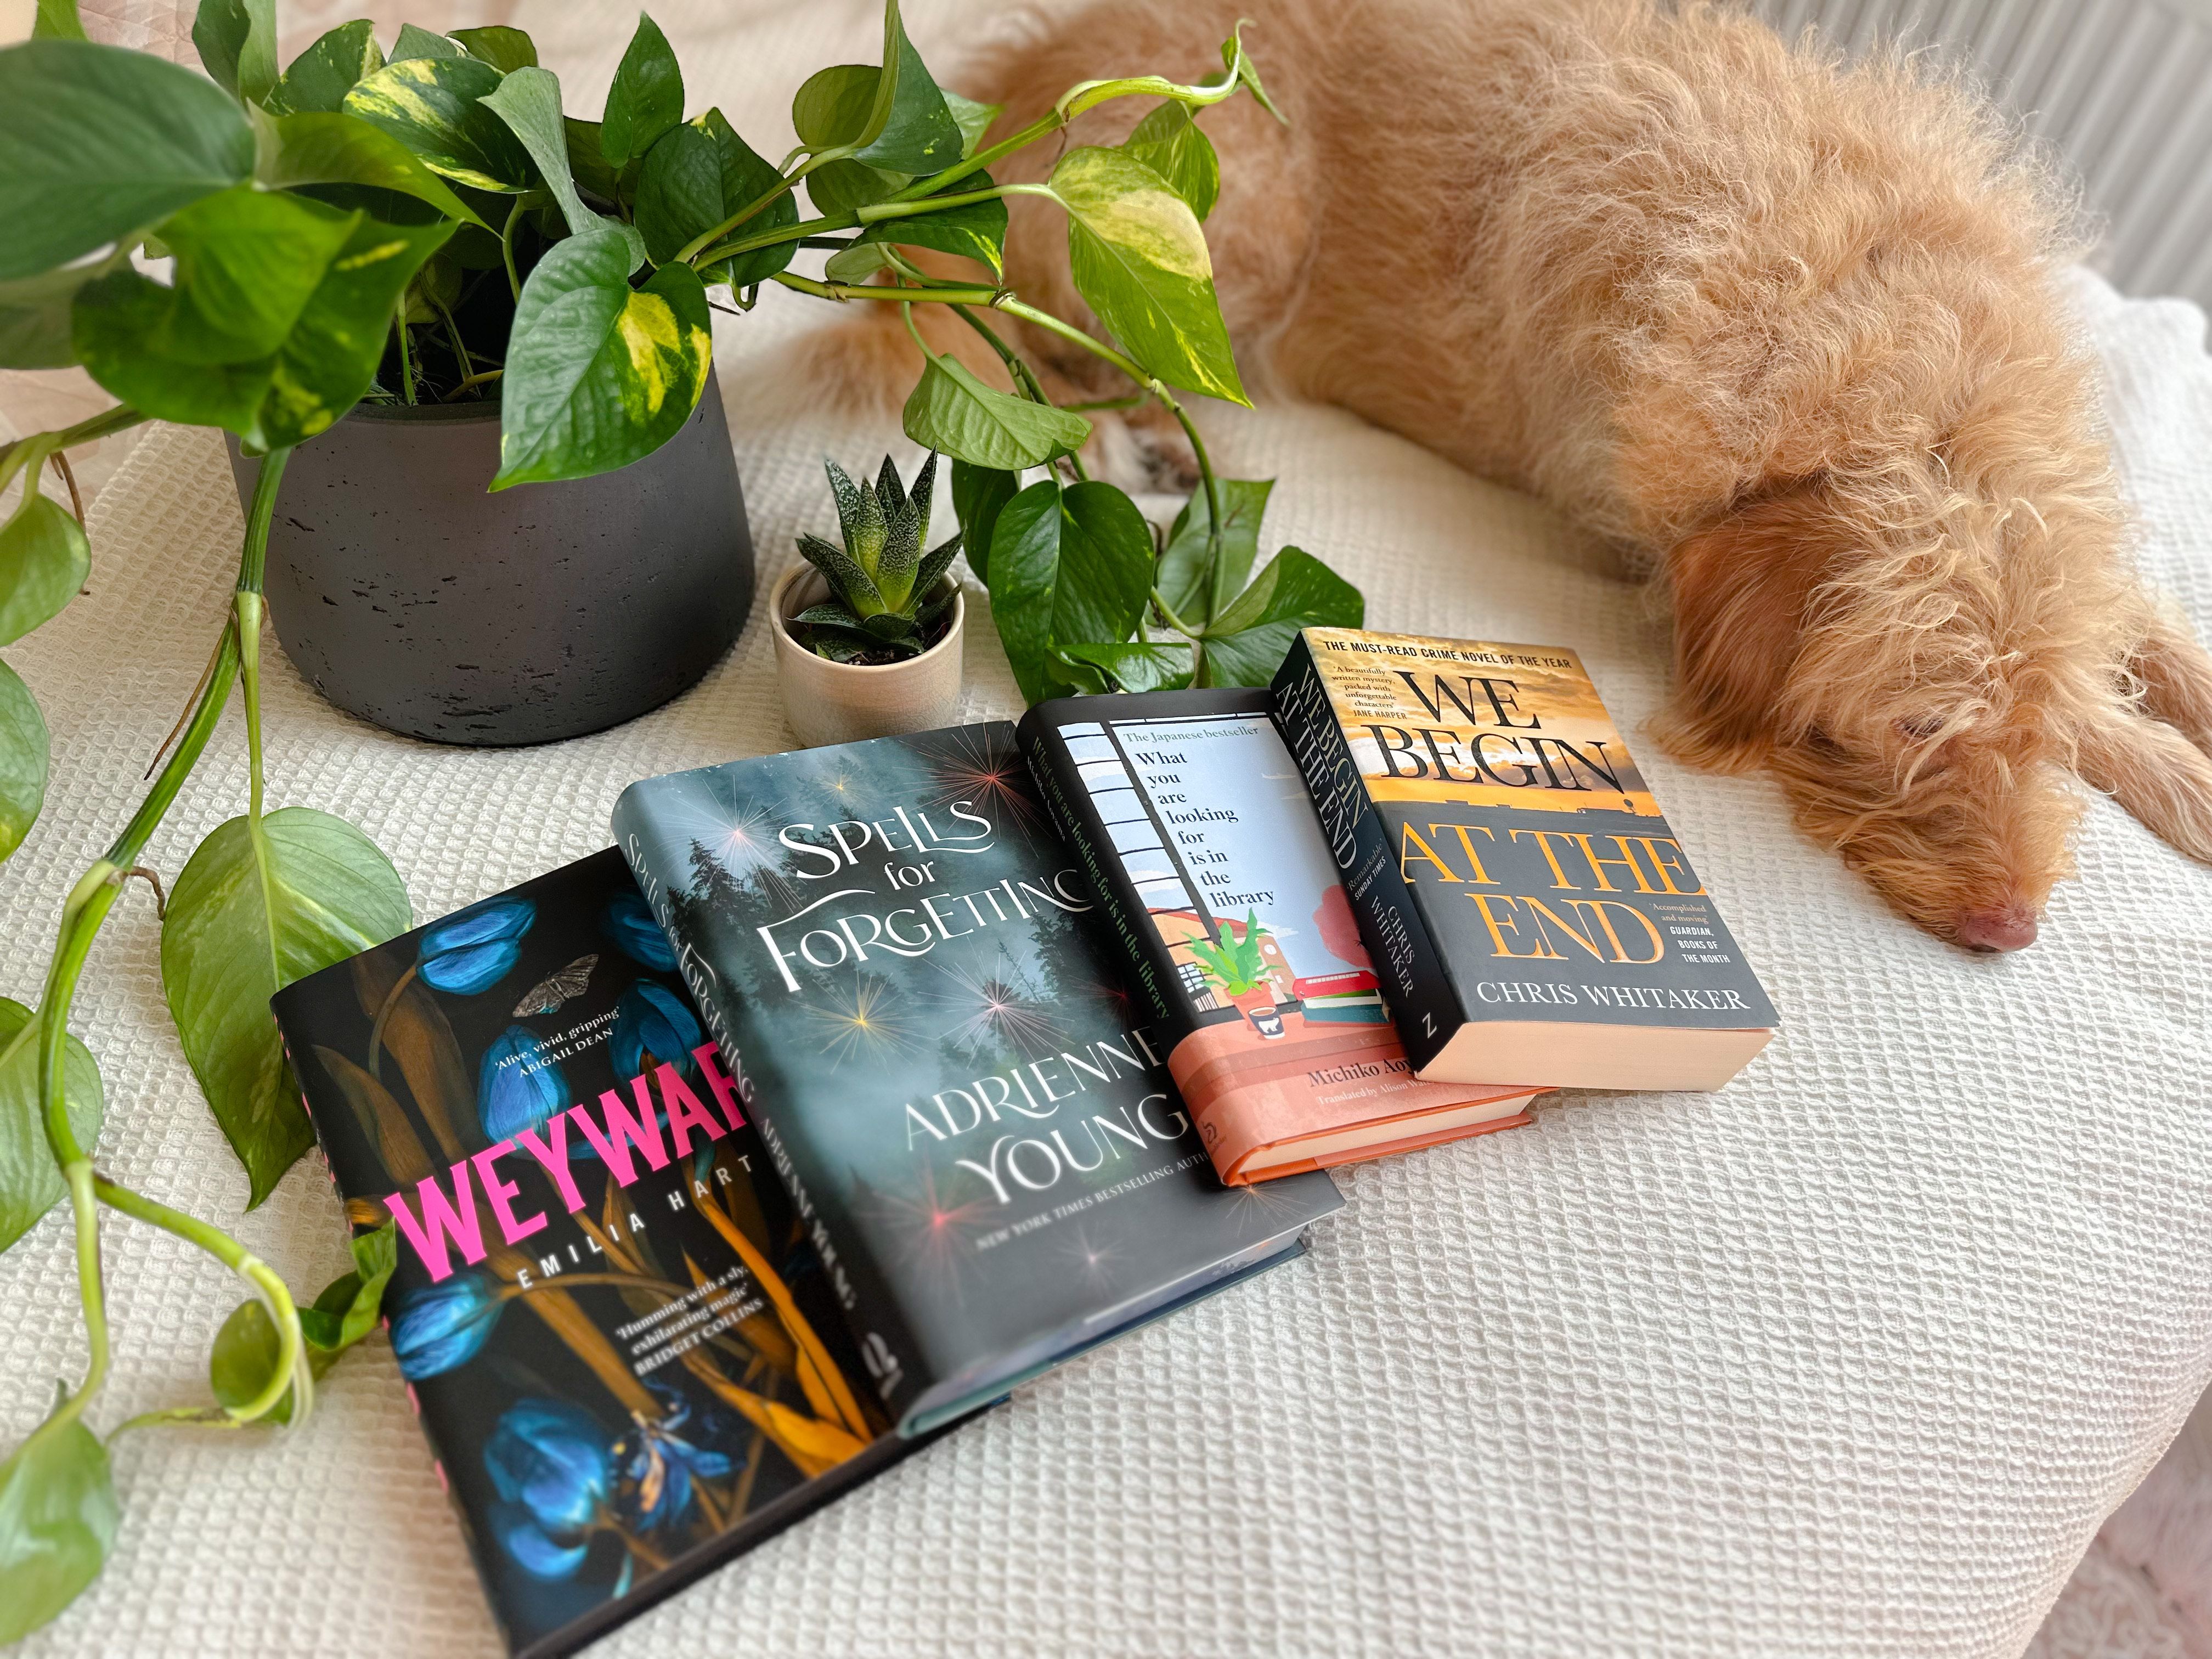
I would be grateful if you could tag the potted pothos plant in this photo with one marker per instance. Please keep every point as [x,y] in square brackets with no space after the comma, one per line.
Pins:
[365,227]
[868,629]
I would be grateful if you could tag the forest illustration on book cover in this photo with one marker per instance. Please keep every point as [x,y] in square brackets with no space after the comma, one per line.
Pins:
[621,1343]
[904,948]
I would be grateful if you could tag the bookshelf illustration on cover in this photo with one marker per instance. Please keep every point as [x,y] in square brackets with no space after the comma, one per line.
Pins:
[623,1348]
[1530,910]
[1198,830]
[972,1112]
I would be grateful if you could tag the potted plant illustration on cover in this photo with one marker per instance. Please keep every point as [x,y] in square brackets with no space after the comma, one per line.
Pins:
[867,630]
[1239,972]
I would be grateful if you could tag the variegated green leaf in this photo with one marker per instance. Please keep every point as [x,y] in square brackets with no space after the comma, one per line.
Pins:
[529,101]
[434,106]
[24,754]
[1169,142]
[598,374]
[320,77]
[290,151]
[1138,257]
[415,42]
[953,411]
[505,49]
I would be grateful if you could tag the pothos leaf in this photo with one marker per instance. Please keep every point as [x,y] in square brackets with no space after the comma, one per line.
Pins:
[30,1185]
[42,560]
[1071,565]
[1140,258]
[979,495]
[598,374]
[434,106]
[1182,576]
[505,49]
[647,98]
[314,149]
[1246,644]
[319,78]
[97,143]
[698,176]
[248,917]
[57,20]
[58,1521]
[529,101]
[1141,667]
[974,120]
[24,752]
[975,230]
[954,412]
[1169,142]
[236,40]
[415,42]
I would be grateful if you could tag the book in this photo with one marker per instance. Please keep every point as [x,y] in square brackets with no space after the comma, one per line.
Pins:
[622,1346]
[1191,822]
[1530,911]
[974,1118]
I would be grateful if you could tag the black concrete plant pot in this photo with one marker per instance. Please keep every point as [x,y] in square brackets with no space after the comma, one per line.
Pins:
[409,596]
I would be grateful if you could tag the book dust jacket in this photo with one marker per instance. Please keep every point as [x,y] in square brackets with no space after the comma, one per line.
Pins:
[625,1352]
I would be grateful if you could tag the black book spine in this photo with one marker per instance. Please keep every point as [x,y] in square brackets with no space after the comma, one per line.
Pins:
[1123,922]
[1423,1001]
[895,1360]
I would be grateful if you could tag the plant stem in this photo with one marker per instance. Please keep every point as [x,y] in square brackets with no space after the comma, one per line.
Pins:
[1050,121]
[507,247]
[461,358]
[83,912]
[1026,379]
[952,296]
[1173,621]
[108,422]
[407,363]
[894,208]
[488,375]
[1153,385]
[689,254]
[291,1372]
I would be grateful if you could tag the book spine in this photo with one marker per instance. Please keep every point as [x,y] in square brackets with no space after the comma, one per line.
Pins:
[1124,920]
[879,1328]
[1422,1000]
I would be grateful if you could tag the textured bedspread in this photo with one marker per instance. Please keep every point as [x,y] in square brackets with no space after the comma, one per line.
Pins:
[1850,1360]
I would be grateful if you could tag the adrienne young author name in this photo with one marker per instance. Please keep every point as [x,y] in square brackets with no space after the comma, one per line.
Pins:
[911,850]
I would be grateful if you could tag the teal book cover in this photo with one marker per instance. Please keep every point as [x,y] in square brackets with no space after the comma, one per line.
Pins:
[974,1119]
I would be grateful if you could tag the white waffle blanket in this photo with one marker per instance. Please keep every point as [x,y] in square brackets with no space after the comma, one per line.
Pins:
[1850,1360]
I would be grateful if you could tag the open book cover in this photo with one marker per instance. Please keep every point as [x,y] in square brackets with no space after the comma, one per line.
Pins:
[625,1351]
[974,1116]
[1532,913]
[1195,828]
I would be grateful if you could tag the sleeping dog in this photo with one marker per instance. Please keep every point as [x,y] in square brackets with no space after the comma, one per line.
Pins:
[1789,334]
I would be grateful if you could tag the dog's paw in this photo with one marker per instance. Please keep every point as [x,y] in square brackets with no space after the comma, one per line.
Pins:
[1141,450]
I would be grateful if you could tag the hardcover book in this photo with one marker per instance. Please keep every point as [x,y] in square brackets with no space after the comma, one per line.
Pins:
[1194,827]
[974,1118]
[1531,913]
[623,1348]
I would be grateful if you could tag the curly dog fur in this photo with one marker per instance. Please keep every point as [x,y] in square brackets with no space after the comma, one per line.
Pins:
[1787,332]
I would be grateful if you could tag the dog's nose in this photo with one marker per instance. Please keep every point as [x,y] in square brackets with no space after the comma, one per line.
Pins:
[2004,927]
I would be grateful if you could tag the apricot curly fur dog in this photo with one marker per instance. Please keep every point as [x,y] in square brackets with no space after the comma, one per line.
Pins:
[1786,332]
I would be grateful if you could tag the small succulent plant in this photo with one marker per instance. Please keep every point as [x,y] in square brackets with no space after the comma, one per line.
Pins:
[884,606]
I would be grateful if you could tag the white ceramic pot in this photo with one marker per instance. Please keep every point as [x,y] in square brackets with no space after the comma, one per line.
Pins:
[843,703]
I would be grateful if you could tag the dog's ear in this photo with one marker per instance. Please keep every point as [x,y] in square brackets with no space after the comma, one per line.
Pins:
[1740,591]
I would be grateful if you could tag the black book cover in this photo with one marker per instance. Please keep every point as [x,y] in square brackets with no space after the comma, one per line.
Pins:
[1532,914]
[625,1351]
[974,1116]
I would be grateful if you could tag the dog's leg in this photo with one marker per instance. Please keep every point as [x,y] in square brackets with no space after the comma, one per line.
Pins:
[2176,675]
[2154,772]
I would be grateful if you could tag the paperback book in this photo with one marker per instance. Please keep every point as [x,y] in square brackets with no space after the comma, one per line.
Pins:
[1531,913]
[975,1117]
[1193,827]
[625,1351]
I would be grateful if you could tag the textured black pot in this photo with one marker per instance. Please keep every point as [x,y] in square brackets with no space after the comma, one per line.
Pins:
[409,596]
